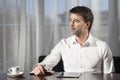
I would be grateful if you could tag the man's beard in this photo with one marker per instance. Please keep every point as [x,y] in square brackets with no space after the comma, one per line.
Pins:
[78,33]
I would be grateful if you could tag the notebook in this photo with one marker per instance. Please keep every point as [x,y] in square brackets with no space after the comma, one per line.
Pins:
[68,75]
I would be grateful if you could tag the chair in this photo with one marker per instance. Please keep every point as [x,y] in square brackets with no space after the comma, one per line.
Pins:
[116,64]
[57,68]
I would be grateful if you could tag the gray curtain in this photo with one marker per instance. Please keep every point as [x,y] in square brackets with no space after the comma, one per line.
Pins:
[114,22]
[26,32]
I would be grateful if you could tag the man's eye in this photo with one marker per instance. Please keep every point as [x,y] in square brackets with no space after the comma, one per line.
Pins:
[77,21]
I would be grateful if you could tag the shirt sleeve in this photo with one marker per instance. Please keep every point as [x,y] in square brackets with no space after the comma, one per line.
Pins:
[53,58]
[108,65]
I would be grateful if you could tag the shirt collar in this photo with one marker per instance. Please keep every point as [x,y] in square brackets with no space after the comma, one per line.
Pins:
[89,42]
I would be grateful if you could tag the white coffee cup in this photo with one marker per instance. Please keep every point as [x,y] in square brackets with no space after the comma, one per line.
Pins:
[14,70]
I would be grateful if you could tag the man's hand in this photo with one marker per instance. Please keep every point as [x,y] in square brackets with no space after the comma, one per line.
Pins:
[39,70]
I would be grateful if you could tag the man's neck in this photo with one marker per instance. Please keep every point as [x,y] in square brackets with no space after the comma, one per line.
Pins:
[82,38]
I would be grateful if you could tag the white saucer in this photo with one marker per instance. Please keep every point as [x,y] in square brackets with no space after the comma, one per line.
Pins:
[15,75]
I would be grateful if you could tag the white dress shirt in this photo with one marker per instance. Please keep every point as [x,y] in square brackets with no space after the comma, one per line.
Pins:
[93,56]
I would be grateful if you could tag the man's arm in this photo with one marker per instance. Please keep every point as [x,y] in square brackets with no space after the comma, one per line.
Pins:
[49,62]
[108,65]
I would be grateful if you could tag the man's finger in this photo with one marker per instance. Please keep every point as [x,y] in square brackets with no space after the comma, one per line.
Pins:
[42,71]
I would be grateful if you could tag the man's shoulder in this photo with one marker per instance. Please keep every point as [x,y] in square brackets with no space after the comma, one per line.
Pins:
[100,42]
[68,39]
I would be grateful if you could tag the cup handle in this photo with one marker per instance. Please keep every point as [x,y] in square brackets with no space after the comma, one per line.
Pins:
[9,70]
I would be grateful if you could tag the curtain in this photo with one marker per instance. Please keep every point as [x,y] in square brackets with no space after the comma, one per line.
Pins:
[23,34]
[30,28]
[21,23]
[114,32]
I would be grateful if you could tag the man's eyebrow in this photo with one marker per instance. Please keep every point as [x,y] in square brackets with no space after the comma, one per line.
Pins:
[74,19]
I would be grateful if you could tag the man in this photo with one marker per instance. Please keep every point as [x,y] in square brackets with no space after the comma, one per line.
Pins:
[81,52]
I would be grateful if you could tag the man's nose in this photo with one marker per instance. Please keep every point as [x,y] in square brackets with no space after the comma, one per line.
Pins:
[72,23]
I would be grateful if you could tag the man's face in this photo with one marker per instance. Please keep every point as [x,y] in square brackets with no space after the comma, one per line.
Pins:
[77,24]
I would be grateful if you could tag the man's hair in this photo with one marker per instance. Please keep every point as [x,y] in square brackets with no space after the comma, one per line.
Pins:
[85,12]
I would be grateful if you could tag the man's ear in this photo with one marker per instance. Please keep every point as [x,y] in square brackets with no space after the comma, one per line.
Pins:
[88,24]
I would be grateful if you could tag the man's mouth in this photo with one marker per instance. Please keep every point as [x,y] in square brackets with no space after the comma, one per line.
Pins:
[72,29]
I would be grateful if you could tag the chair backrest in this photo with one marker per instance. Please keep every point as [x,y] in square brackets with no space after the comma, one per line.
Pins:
[117,64]
[58,68]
